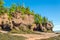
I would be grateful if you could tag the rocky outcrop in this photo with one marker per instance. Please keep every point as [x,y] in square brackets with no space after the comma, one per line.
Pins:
[24,22]
[47,27]
[17,20]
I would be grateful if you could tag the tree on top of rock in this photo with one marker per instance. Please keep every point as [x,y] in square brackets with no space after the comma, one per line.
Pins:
[1,7]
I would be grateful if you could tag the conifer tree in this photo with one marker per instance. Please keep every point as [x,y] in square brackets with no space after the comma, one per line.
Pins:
[1,7]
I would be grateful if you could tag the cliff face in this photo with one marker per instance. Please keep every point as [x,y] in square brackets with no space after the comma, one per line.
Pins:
[18,20]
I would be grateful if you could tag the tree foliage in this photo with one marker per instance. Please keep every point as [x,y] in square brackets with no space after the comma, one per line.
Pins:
[38,18]
[27,11]
[18,8]
[1,3]
[24,10]
[1,7]
[45,20]
[12,8]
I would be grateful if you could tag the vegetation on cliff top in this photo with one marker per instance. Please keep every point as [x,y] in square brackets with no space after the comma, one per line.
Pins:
[19,8]
[22,9]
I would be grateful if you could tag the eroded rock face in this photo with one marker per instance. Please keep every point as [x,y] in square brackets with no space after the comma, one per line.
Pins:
[4,18]
[45,27]
[23,21]
[16,20]
[27,19]
[23,27]
[49,26]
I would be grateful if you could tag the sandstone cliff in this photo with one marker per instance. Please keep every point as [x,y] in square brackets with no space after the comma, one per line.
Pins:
[18,20]
[20,17]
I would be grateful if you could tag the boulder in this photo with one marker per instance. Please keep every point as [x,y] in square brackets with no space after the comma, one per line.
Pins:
[23,27]
[49,26]
[33,27]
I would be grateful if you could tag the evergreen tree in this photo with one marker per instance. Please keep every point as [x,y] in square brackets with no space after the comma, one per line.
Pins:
[27,11]
[12,8]
[1,3]
[1,7]
[38,19]
[32,12]
[18,8]
[22,9]
[45,20]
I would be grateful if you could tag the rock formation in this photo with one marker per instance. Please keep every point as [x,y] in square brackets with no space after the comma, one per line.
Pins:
[26,21]
[20,17]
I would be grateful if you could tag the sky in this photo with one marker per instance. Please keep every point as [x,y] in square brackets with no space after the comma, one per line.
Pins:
[48,8]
